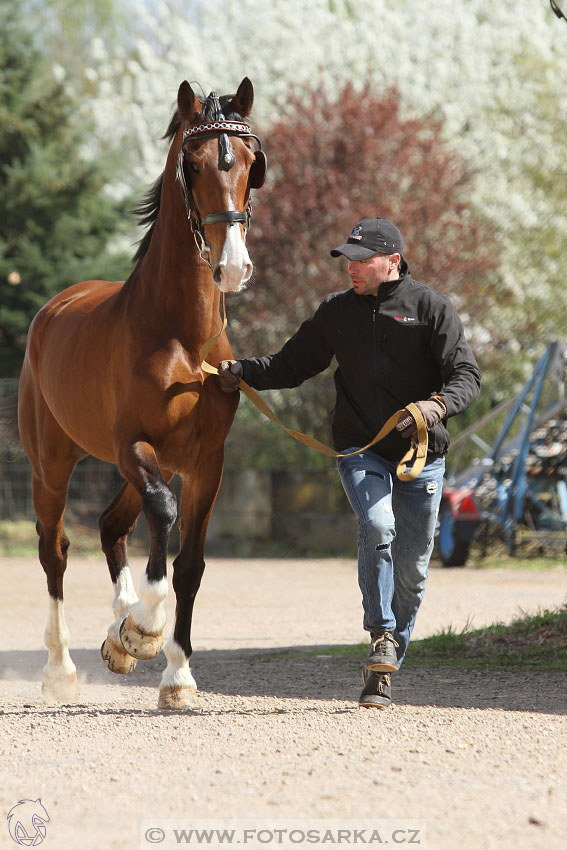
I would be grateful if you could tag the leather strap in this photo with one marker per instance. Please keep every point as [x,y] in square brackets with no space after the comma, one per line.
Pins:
[416,454]
[231,216]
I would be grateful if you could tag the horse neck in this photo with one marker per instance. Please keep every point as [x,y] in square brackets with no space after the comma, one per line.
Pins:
[172,286]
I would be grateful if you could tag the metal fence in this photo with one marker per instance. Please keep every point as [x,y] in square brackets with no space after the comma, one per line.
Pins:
[92,486]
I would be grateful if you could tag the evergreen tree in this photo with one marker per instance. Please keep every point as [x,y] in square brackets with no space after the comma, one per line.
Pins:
[56,221]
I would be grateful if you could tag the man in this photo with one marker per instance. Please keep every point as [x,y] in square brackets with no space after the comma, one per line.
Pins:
[396,341]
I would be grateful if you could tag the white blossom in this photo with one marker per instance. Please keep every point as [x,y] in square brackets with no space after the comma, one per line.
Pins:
[483,68]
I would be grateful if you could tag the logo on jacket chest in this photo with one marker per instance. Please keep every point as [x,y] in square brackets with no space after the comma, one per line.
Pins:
[404,319]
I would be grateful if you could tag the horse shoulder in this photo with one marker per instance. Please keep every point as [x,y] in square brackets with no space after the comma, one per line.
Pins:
[172,365]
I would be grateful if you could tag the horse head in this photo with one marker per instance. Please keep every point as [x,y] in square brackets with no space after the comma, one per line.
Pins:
[219,160]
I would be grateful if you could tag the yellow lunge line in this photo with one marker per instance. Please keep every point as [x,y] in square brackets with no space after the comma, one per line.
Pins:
[416,454]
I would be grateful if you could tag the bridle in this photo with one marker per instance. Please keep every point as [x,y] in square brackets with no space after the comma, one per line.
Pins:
[223,129]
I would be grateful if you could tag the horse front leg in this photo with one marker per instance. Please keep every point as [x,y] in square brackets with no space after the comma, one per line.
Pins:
[116,525]
[142,630]
[178,689]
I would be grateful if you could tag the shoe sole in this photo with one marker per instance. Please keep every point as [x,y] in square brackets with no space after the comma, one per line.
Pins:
[382,667]
[367,703]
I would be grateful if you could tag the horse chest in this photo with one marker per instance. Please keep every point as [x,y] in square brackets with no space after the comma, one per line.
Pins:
[171,366]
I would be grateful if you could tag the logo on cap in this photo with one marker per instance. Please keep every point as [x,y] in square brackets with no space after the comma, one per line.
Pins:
[357,232]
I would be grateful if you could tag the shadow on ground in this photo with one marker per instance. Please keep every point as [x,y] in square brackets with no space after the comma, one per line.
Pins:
[307,672]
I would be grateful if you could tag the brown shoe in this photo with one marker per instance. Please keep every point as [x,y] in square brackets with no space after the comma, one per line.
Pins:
[382,656]
[377,691]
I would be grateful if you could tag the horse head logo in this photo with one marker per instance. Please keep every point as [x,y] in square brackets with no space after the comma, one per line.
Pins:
[26,822]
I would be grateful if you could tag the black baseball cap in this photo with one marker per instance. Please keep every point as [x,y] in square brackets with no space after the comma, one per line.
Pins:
[371,236]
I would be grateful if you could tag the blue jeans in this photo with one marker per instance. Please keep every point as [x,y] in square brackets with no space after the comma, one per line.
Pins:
[396,527]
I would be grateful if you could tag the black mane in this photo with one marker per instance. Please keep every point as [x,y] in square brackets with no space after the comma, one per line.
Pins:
[148,209]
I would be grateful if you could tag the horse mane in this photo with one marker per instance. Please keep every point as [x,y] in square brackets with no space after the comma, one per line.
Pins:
[147,210]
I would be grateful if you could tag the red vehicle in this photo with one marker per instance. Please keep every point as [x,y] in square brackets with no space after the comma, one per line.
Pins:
[518,490]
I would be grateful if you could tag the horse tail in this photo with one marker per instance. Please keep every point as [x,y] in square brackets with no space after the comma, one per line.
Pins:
[9,432]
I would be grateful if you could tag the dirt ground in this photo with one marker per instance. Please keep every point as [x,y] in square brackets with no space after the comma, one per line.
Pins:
[464,759]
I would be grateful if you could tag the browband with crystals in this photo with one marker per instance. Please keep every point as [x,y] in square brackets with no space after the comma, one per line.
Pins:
[216,126]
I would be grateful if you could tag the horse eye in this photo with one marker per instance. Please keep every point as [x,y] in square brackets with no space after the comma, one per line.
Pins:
[194,167]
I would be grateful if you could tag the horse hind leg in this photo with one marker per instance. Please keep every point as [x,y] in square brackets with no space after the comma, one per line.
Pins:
[116,525]
[59,679]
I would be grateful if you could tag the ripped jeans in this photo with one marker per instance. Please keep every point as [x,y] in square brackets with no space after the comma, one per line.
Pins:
[396,526]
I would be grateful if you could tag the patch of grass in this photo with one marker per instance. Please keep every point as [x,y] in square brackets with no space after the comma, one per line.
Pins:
[498,559]
[536,641]
[531,642]
[18,538]
[530,555]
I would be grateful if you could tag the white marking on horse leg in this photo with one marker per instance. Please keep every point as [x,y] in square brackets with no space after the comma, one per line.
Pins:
[149,611]
[234,265]
[141,631]
[113,653]
[59,674]
[124,593]
[177,674]
[125,597]
[178,689]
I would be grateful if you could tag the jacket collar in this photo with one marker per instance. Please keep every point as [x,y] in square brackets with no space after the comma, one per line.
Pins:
[388,287]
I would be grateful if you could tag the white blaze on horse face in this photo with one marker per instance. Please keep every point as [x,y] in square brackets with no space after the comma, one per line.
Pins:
[59,683]
[234,268]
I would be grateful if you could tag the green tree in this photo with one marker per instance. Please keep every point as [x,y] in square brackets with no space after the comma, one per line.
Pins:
[56,219]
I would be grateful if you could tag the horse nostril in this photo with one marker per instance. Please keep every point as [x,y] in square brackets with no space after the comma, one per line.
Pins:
[217,274]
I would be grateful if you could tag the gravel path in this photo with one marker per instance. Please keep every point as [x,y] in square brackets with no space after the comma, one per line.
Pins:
[476,759]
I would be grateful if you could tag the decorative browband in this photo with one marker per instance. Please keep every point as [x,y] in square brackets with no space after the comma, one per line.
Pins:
[218,126]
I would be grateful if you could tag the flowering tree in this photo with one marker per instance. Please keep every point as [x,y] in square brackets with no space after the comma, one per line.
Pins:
[491,74]
[480,68]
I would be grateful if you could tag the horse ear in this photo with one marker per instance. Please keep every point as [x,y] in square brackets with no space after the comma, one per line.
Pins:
[187,102]
[244,98]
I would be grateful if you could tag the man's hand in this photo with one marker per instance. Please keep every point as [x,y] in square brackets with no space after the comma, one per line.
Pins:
[433,411]
[230,373]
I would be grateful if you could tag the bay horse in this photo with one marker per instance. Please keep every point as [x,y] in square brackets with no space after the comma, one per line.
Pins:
[112,369]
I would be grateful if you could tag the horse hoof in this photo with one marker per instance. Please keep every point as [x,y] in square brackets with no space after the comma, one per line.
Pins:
[59,686]
[177,698]
[115,657]
[137,642]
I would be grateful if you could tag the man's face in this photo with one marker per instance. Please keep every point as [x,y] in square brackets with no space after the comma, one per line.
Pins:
[367,275]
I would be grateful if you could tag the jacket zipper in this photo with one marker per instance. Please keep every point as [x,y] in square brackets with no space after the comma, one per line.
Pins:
[375,361]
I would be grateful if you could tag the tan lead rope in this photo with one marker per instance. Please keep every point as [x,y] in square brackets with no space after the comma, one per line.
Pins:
[416,454]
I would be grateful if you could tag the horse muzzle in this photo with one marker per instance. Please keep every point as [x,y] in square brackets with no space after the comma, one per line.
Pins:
[234,267]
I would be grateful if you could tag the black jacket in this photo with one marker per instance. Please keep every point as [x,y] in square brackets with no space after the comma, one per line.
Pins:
[404,344]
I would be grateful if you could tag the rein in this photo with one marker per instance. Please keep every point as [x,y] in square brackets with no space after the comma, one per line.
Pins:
[416,454]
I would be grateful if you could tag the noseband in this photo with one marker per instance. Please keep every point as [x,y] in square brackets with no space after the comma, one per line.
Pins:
[221,129]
